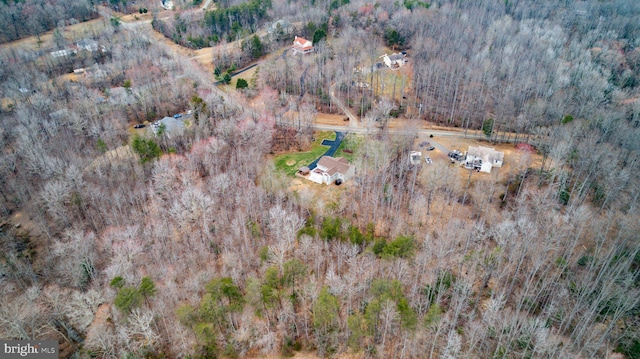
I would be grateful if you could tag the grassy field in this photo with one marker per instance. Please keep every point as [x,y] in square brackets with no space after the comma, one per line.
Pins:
[350,144]
[290,163]
[245,75]
[384,83]
[231,87]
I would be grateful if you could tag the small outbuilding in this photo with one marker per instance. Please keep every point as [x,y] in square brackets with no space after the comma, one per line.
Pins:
[415,157]
[63,53]
[167,4]
[304,171]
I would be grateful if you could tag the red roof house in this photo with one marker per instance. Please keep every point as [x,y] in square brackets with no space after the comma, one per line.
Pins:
[302,45]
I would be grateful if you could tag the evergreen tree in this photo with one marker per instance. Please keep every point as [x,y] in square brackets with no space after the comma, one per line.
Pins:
[241,84]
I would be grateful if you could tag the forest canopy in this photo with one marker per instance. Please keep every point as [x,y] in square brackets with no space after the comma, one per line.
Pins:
[151,202]
[24,18]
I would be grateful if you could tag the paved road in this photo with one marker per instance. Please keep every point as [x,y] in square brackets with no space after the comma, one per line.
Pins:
[334,144]
[439,146]
[435,133]
[354,124]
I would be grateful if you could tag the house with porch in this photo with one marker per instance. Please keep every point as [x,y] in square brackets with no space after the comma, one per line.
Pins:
[331,170]
[301,45]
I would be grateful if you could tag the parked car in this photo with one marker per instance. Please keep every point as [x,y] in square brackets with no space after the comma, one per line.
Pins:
[431,148]
[456,155]
[140,125]
[177,115]
[427,159]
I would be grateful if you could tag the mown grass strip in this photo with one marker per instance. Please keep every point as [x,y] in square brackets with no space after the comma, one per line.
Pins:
[290,163]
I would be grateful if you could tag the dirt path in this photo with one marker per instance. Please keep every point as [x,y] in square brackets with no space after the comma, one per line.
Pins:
[329,119]
[23,223]
[353,120]
[100,321]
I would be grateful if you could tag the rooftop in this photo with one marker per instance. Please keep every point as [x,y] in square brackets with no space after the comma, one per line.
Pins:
[486,153]
[172,126]
[334,165]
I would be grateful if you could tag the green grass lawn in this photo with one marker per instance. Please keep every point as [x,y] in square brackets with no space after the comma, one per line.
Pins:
[231,87]
[290,163]
[351,144]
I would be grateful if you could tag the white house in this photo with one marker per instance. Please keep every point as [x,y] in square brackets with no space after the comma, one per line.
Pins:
[302,45]
[88,45]
[394,61]
[167,4]
[415,157]
[483,158]
[330,169]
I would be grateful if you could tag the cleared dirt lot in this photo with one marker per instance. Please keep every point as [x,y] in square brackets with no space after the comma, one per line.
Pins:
[514,160]
[333,120]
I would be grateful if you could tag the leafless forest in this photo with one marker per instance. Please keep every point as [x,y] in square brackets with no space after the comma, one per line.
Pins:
[121,243]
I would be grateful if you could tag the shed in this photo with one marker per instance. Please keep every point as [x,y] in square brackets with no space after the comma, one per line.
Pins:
[304,170]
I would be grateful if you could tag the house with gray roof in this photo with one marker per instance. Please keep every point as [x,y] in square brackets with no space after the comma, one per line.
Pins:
[332,170]
[169,126]
[394,61]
